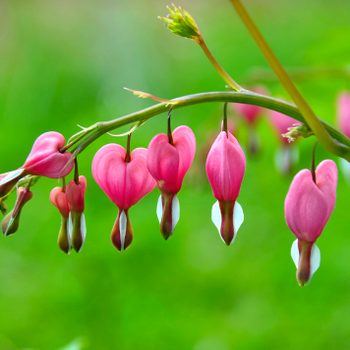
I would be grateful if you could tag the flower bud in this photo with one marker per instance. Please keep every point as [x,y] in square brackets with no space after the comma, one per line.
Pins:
[59,199]
[76,221]
[10,222]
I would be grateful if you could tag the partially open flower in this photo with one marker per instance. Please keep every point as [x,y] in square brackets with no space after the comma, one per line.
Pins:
[308,206]
[59,199]
[125,180]
[44,159]
[76,222]
[168,162]
[10,223]
[225,167]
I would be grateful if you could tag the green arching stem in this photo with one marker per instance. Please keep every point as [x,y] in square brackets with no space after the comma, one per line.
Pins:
[313,122]
[227,78]
[246,97]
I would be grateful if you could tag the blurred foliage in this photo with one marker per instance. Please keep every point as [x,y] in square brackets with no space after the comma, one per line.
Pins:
[64,63]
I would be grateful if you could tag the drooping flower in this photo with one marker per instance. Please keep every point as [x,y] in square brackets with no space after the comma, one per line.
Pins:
[286,155]
[44,159]
[76,223]
[59,199]
[225,167]
[10,223]
[169,159]
[343,121]
[125,180]
[308,206]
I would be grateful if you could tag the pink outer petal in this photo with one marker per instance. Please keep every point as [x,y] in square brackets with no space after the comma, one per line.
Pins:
[75,195]
[124,183]
[163,163]
[343,104]
[45,159]
[168,163]
[225,167]
[308,206]
[282,122]
[59,199]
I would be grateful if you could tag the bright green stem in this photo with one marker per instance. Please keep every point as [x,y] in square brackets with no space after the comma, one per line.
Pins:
[247,97]
[227,78]
[314,123]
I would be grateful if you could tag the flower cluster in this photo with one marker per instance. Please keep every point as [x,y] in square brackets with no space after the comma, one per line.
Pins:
[126,176]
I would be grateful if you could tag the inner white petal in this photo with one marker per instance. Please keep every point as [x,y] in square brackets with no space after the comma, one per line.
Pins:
[238,218]
[175,212]
[11,175]
[159,209]
[123,220]
[216,217]
[315,258]
[294,252]
[70,228]
[83,226]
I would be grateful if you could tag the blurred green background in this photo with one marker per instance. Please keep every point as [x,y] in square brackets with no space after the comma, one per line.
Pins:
[64,63]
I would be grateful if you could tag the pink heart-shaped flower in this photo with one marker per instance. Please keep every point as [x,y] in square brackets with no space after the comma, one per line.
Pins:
[125,183]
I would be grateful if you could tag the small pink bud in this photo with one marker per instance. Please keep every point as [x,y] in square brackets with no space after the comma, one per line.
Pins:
[168,163]
[125,180]
[225,167]
[10,222]
[76,222]
[308,206]
[59,199]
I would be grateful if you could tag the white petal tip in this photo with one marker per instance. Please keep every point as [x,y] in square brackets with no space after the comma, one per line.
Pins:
[123,221]
[315,256]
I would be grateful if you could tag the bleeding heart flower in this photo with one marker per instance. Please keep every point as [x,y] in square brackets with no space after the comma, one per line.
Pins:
[225,167]
[76,222]
[45,159]
[308,206]
[59,199]
[125,180]
[168,163]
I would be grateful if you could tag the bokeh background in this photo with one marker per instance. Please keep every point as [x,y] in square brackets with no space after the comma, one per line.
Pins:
[64,63]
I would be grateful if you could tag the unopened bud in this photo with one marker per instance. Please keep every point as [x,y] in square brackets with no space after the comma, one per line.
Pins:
[181,23]
[10,222]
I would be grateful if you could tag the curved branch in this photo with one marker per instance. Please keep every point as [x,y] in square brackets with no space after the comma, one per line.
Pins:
[246,97]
